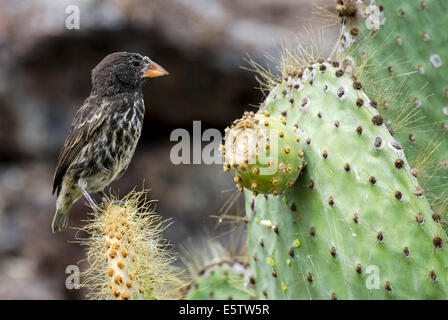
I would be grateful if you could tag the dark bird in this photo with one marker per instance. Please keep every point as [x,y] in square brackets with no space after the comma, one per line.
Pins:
[104,132]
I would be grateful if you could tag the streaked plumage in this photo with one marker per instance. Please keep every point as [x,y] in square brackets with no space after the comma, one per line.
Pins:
[104,132]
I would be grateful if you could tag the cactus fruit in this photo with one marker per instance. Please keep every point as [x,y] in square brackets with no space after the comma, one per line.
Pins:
[127,259]
[263,153]
[356,224]
[409,39]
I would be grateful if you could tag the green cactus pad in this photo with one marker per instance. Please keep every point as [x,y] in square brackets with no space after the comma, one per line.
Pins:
[356,224]
[410,40]
[223,281]
[263,153]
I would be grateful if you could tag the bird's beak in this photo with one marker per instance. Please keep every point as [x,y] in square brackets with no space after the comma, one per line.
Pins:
[155,70]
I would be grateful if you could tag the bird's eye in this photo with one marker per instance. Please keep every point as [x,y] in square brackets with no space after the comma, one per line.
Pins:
[136,63]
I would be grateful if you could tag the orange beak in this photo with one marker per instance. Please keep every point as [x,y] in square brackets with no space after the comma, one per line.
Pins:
[155,70]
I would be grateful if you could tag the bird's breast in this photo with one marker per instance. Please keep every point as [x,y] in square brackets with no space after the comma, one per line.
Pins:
[122,131]
[128,126]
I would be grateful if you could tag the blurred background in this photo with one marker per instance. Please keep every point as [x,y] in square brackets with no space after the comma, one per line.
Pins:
[45,76]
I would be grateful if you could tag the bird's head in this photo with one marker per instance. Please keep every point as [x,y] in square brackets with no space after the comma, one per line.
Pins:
[124,70]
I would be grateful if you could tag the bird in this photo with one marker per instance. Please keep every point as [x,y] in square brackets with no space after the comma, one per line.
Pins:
[104,132]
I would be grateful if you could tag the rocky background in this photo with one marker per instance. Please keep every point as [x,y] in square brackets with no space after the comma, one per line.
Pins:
[45,76]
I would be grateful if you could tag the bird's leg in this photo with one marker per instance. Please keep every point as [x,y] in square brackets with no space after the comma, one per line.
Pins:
[82,184]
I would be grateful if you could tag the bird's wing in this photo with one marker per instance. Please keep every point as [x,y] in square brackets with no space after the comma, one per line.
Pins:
[87,120]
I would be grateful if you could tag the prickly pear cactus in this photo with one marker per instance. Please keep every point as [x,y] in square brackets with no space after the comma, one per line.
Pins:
[219,272]
[407,38]
[223,281]
[356,224]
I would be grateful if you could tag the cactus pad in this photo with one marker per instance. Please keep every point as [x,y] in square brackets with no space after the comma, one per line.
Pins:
[409,40]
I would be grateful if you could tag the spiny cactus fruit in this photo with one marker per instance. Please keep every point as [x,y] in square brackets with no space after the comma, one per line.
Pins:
[263,153]
[408,38]
[126,257]
[356,224]
[218,273]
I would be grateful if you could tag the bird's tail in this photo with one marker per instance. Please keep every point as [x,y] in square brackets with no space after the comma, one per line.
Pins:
[60,221]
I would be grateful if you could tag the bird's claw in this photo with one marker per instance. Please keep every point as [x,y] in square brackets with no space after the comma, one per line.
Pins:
[104,197]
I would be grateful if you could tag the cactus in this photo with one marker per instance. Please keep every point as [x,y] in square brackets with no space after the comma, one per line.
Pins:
[218,273]
[225,280]
[126,256]
[409,40]
[356,224]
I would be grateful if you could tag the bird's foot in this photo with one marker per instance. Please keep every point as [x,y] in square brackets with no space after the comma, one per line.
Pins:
[104,197]
[107,200]
[119,202]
